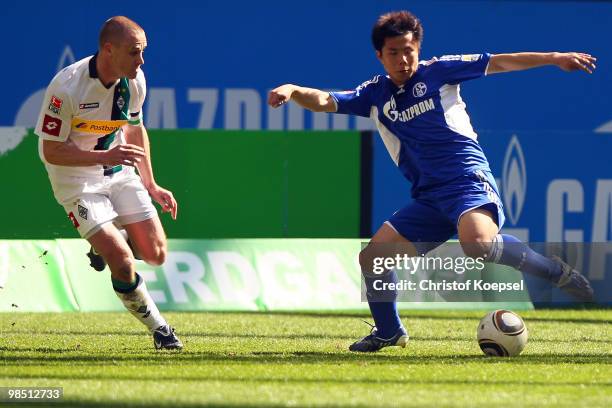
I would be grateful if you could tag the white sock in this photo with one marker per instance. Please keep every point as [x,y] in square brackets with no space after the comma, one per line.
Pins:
[141,305]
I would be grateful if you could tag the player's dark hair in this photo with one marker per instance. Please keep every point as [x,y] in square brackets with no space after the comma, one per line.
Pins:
[115,29]
[394,24]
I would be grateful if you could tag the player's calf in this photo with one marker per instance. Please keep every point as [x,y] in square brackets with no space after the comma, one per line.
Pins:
[97,261]
[509,250]
[154,255]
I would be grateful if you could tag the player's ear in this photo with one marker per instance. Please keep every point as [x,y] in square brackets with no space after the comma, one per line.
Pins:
[379,55]
[107,47]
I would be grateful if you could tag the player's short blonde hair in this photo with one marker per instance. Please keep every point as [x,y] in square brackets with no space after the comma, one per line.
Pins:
[117,28]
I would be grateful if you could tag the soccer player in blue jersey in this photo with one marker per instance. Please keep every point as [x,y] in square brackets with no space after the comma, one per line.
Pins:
[422,119]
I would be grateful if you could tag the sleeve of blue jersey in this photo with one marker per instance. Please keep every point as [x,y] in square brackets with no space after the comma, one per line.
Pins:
[454,69]
[356,102]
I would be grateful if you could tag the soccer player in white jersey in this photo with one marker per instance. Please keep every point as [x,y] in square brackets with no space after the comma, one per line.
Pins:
[91,140]
[422,119]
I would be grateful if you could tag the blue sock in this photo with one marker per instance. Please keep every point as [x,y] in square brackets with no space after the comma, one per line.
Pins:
[383,306]
[509,250]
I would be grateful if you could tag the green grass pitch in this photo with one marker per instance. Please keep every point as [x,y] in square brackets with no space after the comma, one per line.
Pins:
[275,359]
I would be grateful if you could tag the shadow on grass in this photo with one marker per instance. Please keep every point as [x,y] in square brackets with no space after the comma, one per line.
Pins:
[531,339]
[272,336]
[361,379]
[227,335]
[297,357]
[432,315]
[156,404]
[141,404]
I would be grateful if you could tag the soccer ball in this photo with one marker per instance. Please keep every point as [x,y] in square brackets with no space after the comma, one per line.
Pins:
[502,333]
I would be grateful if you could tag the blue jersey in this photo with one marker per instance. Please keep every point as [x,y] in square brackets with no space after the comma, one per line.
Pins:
[423,123]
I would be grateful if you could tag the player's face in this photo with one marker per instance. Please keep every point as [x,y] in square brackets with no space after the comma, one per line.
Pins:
[128,55]
[400,57]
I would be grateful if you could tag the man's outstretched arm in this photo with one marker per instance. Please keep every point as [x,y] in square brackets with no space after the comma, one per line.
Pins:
[309,98]
[138,136]
[567,61]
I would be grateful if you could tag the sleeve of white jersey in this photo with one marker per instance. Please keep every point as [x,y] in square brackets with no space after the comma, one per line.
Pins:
[140,84]
[56,112]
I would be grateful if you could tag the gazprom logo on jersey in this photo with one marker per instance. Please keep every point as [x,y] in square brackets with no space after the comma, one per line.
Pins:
[514,180]
[390,109]
[391,112]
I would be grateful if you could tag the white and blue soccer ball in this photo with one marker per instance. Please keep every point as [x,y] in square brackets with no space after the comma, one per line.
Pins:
[502,333]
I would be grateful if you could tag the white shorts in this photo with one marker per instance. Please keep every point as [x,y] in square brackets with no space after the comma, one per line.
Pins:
[92,202]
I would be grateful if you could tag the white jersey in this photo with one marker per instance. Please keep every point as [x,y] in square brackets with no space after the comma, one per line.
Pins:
[79,109]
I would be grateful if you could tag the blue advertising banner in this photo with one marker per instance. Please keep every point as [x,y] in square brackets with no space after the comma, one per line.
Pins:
[210,64]
[555,186]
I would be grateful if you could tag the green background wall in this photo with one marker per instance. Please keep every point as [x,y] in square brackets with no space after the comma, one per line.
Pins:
[228,184]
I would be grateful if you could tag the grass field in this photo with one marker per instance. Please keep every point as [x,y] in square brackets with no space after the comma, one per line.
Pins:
[243,359]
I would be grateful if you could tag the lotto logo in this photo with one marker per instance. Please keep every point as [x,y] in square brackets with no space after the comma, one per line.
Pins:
[52,126]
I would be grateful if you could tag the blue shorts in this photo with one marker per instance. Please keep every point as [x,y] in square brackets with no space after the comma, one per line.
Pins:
[434,215]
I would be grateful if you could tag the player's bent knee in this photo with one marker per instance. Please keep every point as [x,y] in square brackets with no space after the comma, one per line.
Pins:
[366,260]
[477,247]
[156,256]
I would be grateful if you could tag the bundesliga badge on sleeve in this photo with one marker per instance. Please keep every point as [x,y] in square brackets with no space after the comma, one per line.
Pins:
[55,105]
